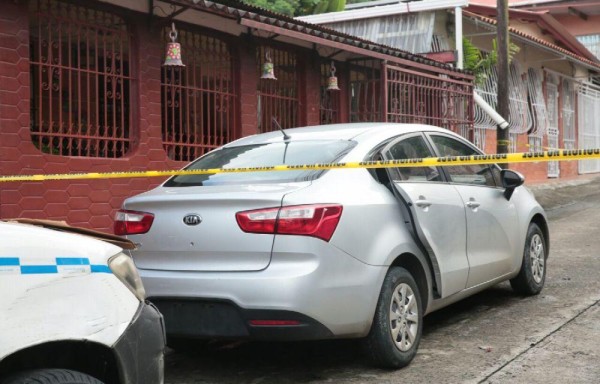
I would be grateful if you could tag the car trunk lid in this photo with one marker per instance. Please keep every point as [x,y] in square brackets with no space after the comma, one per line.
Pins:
[216,243]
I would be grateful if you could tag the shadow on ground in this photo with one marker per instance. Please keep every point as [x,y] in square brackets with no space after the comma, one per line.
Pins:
[310,361]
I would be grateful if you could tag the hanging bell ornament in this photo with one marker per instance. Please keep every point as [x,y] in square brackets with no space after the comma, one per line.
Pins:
[268,69]
[173,55]
[332,81]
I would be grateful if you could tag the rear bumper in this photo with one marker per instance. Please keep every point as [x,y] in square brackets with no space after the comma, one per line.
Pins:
[331,293]
[140,350]
[220,319]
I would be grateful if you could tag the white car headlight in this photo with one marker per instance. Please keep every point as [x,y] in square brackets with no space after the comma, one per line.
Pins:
[122,266]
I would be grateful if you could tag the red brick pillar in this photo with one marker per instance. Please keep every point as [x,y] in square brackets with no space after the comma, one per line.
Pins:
[312,86]
[248,88]
[14,102]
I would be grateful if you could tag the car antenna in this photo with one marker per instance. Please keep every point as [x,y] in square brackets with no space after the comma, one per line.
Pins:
[286,137]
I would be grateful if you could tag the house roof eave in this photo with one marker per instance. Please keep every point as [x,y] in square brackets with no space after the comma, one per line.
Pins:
[529,39]
[545,21]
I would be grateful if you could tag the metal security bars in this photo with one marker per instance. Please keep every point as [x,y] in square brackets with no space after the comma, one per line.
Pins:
[538,108]
[552,83]
[365,91]
[330,100]
[278,98]
[588,116]
[198,100]
[568,114]
[80,80]
[519,119]
[414,97]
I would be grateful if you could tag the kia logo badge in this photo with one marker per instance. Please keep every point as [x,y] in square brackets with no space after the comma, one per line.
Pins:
[192,219]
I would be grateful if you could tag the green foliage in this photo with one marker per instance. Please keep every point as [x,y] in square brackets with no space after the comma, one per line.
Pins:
[336,5]
[299,7]
[285,7]
[478,63]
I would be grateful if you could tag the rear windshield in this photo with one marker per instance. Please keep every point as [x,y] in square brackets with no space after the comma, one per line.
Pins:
[263,155]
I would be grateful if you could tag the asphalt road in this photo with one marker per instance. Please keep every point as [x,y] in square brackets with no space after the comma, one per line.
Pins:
[493,337]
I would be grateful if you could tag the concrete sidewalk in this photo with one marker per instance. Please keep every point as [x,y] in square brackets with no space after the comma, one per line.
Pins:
[559,195]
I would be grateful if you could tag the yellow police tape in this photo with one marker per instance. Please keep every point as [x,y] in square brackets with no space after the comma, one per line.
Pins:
[529,157]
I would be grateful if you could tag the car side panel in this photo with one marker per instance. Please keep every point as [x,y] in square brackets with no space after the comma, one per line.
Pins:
[441,225]
[493,232]
[373,228]
[527,207]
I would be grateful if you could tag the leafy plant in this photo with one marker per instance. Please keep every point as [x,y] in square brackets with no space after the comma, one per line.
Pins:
[479,63]
[300,7]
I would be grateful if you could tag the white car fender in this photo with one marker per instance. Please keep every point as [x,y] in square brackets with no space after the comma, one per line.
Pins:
[48,293]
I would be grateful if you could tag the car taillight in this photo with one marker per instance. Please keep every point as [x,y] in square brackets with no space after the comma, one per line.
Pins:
[274,323]
[317,220]
[132,222]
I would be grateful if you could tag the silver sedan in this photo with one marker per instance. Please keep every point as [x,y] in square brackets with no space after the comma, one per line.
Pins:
[345,253]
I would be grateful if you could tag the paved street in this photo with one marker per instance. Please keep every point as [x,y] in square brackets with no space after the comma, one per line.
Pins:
[493,337]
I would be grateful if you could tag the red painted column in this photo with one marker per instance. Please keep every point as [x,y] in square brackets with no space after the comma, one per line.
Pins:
[248,89]
[312,85]
[14,108]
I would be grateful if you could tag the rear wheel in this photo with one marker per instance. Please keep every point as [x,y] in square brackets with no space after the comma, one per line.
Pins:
[52,376]
[396,330]
[532,275]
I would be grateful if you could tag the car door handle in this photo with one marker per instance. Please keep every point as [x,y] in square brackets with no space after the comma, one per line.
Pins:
[472,204]
[422,203]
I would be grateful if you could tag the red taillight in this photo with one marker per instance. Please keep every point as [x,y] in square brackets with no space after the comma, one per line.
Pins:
[318,220]
[132,222]
[273,323]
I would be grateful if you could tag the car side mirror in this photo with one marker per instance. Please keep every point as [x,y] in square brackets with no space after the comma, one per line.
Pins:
[510,181]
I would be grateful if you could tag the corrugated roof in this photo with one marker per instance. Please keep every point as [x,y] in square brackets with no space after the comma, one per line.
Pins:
[534,39]
[237,9]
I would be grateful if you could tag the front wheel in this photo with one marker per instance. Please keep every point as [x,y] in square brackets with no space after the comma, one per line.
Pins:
[398,322]
[52,376]
[532,275]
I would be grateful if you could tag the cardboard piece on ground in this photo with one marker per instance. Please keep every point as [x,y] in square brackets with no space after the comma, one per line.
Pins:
[63,226]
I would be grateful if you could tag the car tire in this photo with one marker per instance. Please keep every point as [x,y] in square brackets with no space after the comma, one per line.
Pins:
[52,376]
[532,275]
[398,322]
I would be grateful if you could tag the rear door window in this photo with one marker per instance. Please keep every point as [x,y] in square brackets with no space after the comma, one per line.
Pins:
[413,147]
[263,155]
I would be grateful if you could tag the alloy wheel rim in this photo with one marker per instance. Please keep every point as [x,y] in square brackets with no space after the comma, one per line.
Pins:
[404,317]
[536,256]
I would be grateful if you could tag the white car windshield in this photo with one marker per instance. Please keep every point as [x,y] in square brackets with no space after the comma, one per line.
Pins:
[263,155]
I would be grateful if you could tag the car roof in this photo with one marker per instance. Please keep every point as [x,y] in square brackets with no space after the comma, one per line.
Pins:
[347,131]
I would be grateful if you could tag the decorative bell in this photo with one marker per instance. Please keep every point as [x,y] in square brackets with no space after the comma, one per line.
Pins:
[332,81]
[173,55]
[268,69]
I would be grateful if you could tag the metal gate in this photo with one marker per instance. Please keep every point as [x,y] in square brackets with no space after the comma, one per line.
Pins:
[589,124]
[278,99]
[198,100]
[414,97]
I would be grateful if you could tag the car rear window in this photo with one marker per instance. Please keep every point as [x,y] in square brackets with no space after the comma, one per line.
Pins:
[263,155]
